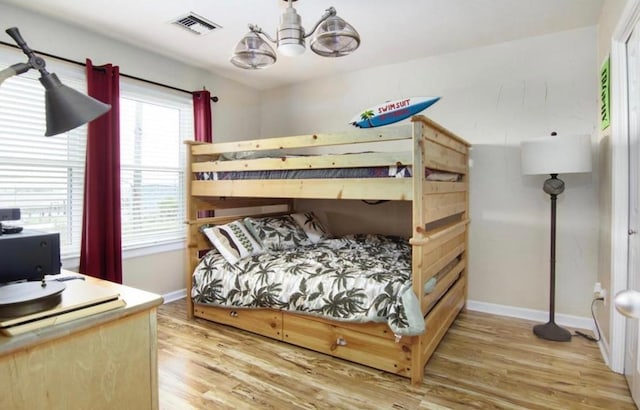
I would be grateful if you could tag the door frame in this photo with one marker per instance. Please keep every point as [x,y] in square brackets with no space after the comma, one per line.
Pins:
[619,178]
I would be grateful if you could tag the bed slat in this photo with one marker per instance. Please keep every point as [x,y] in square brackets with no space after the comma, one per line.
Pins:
[444,159]
[441,317]
[444,205]
[443,255]
[438,237]
[343,188]
[445,140]
[437,187]
[304,141]
[216,203]
[443,284]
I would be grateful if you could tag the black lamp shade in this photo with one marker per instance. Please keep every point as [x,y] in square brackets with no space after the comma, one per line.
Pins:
[67,108]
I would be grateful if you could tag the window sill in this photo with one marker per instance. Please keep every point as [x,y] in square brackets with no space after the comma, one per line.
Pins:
[72,262]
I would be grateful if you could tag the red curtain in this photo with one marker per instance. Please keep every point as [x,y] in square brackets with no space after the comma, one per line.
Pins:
[101,247]
[202,116]
[202,126]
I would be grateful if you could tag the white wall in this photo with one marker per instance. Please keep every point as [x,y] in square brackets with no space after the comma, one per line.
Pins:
[494,97]
[235,116]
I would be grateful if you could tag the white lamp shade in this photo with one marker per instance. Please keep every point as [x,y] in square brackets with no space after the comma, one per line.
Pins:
[560,154]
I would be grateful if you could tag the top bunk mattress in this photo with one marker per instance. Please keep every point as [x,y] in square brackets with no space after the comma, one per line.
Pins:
[360,172]
[392,171]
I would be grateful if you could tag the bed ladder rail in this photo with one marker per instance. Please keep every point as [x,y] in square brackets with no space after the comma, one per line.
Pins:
[434,239]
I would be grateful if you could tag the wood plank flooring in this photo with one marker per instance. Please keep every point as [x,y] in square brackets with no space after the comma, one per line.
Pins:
[484,362]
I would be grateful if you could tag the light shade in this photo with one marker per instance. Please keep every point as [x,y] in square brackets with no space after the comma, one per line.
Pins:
[558,154]
[334,37]
[67,108]
[252,52]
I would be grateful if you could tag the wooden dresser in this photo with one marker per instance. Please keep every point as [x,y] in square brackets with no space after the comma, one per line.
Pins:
[104,361]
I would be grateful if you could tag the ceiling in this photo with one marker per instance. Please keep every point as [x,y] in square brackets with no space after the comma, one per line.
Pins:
[391,31]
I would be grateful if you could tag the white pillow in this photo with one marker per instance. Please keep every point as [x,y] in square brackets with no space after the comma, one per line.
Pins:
[312,226]
[277,233]
[233,241]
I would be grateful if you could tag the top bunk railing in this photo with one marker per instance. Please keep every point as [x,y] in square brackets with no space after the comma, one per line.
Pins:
[423,144]
[305,141]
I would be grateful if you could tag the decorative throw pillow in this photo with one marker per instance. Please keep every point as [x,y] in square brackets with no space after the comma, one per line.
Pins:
[312,226]
[277,233]
[232,240]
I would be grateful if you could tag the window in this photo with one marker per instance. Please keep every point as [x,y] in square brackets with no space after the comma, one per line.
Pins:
[153,125]
[44,176]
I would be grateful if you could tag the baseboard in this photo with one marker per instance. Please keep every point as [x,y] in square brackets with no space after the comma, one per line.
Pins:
[175,295]
[604,350]
[575,322]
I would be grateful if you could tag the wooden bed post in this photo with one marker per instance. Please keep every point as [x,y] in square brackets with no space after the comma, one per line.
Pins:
[192,229]
[418,228]
[467,216]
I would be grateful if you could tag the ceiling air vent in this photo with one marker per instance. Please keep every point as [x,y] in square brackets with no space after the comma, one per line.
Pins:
[196,24]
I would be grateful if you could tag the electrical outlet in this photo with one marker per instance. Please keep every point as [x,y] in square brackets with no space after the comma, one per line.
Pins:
[597,288]
[603,295]
[599,292]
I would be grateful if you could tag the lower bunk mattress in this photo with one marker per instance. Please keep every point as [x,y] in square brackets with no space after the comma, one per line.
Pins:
[357,279]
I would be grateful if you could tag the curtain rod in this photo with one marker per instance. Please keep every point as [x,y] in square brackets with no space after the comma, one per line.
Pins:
[214,98]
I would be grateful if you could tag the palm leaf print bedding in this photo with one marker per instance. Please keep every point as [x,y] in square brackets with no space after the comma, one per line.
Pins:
[356,278]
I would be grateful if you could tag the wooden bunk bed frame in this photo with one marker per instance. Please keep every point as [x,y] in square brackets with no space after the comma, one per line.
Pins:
[440,217]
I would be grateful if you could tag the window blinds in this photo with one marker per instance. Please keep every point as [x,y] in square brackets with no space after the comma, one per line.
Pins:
[153,125]
[44,176]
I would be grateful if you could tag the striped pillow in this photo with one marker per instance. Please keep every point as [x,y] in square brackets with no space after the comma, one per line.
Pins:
[232,240]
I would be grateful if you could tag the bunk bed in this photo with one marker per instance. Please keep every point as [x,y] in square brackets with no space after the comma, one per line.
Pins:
[218,194]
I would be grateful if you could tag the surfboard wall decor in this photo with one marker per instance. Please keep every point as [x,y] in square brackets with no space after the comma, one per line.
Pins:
[392,111]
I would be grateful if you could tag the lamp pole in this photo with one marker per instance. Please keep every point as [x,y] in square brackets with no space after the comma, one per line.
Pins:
[550,330]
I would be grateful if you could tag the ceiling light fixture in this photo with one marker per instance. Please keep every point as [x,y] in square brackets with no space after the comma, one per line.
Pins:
[332,37]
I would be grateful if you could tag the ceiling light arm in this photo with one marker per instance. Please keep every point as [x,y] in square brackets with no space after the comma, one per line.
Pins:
[34,62]
[37,63]
[15,69]
[331,11]
[65,108]
[258,31]
[328,13]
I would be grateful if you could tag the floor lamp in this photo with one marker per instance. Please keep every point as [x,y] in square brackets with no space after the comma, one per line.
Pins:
[65,108]
[555,155]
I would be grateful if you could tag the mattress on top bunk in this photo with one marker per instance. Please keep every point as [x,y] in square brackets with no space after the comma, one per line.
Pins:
[393,171]
[357,278]
[361,172]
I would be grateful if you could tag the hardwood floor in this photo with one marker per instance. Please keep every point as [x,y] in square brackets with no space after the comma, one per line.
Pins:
[484,362]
